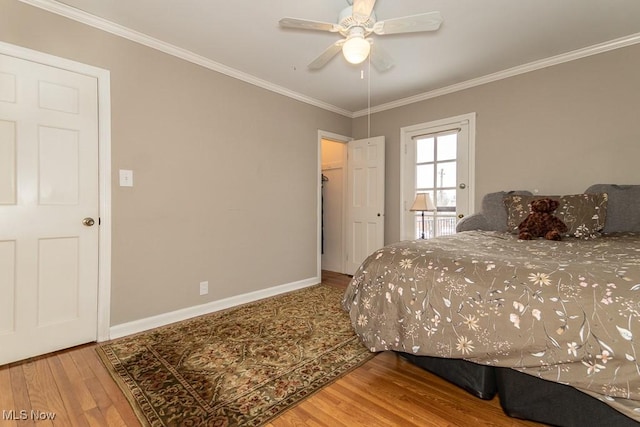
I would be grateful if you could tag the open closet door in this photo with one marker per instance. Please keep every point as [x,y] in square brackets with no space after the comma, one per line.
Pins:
[365,199]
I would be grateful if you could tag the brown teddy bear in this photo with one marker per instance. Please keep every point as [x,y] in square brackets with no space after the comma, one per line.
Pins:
[541,222]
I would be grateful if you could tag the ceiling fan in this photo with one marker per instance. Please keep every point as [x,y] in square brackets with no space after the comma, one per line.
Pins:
[357,22]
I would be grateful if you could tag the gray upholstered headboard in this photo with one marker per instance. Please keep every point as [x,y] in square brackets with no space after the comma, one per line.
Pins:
[623,209]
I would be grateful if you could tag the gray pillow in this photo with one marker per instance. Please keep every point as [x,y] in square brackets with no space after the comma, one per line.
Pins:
[623,208]
[494,211]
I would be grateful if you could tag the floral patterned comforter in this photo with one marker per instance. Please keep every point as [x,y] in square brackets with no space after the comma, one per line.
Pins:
[566,311]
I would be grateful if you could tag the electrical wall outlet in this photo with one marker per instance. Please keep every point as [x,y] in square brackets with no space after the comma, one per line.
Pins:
[204,288]
[126,178]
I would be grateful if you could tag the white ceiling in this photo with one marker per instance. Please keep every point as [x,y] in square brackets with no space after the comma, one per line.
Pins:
[476,39]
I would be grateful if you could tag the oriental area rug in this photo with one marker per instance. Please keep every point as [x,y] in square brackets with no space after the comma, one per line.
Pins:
[239,367]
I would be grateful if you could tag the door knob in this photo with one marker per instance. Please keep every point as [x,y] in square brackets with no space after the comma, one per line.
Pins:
[88,222]
[461,216]
[463,185]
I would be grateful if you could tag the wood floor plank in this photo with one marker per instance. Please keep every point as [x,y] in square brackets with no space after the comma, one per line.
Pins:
[317,410]
[96,418]
[7,403]
[103,388]
[43,394]
[105,408]
[67,368]
[84,365]
[73,395]
[394,399]
[20,391]
[114,418]
[359,410]
[318,414]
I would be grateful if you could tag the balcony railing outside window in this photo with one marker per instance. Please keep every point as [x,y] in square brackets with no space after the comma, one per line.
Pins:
[435,226]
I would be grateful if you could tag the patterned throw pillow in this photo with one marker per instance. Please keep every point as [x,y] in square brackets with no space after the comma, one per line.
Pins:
[584,214]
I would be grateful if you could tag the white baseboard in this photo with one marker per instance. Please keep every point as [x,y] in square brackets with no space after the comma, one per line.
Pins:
[141,325]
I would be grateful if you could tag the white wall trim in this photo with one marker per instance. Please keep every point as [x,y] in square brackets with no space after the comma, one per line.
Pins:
[337,138]
[129,34]
[141,325]
[520,69]
[104,135]
[143,39]
[104,168]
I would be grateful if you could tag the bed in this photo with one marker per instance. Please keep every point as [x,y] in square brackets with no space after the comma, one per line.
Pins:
[550,326]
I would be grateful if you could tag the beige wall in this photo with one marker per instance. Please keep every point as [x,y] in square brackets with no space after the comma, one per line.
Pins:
[225,173]
[558,129]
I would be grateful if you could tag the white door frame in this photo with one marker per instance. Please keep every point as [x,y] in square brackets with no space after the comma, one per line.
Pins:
[337,138]
[406,134]
[104,168]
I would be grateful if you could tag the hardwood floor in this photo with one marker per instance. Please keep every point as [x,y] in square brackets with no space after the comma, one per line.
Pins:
[74,386]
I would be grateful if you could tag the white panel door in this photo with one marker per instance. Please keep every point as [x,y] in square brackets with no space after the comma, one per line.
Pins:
[365,195]
[48,186]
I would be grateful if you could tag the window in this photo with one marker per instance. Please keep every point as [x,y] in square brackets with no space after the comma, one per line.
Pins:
[436,163]
[437,159]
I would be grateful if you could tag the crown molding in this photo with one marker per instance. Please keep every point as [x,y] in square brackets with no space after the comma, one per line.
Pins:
[521,69]
[143,39]
[129,34]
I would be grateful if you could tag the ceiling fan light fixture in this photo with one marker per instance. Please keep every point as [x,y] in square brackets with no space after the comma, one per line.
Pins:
[356,49]
[358,21]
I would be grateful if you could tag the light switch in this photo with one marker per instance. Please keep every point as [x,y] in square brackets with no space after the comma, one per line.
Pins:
[126,178]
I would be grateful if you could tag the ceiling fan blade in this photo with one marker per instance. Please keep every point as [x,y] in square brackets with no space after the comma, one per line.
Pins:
[363,8]
[429,21]
[380,59]
[326,56]
[305,24]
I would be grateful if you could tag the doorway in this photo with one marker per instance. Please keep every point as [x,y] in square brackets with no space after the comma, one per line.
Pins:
[437,159]
[333,191]
[361,214]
